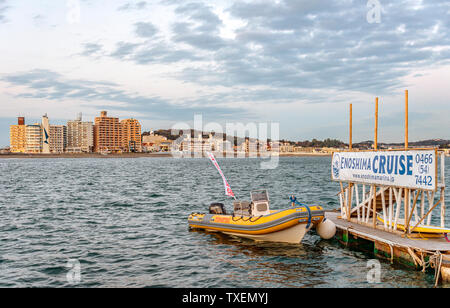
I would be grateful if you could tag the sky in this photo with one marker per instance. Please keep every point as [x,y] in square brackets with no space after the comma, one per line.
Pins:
[297,63]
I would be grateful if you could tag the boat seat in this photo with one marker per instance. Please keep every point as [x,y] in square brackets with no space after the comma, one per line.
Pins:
[242,208]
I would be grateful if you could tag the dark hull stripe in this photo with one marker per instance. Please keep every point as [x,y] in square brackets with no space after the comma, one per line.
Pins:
[259,227]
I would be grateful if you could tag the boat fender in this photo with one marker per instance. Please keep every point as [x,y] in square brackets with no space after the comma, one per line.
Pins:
[326,229]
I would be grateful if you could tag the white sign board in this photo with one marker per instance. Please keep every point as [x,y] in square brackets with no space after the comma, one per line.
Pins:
[409,169]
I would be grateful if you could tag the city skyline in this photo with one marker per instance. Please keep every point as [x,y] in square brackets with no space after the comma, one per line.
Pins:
[293,62]
[105,135]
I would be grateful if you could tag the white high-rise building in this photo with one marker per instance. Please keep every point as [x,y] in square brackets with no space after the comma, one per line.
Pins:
[45,135]
[33,134]
[80,136]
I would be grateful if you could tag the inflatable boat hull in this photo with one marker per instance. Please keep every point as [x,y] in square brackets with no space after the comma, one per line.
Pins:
[287,226]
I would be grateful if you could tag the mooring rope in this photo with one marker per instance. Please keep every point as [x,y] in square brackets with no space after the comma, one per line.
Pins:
[294,200]
[437,272]
[392,253]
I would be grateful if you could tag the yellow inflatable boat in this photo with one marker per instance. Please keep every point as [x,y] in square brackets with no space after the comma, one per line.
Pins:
[419,229]
[256,221]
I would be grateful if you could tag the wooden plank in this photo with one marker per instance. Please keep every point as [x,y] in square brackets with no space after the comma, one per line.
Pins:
[431,244]
[349,201]
[407,201]
[357,201]
[429,212]
[364,198]
[410,216]
[391,208]
[430,202]
[374,211]
[363,204]
[398,198]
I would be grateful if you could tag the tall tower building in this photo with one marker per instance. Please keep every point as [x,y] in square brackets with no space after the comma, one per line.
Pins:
[80,136]
[17,136]
[45,135]
[131,135]
[107,134]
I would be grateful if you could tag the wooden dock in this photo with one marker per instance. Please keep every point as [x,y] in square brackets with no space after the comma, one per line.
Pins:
[389,212]
[410,250]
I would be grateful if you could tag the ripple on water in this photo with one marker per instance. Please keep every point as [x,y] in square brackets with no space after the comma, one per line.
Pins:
[124,220]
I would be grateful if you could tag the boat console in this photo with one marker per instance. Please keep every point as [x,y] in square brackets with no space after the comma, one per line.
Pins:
[260,202]
[258,207]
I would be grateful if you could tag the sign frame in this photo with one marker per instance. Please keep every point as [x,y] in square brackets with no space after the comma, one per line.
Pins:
[436,181]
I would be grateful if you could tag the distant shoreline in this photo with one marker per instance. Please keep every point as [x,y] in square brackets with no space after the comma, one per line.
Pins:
[130,155]
[85,155]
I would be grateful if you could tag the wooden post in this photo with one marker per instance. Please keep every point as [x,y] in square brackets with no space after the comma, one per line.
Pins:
[374,213]
[427,214]
[412,211]
[407,202]
[376,125]
[350,144]
[407,191]
[350,199]
[344,200]
[406,119]
[443,190]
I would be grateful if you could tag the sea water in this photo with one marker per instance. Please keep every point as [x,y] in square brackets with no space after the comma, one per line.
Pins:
[123,223]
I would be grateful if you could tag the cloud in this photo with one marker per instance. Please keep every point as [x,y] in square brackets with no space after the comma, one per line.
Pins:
[145,29]
[48,85]
[151,50]
[201,28]
[295,46]
[123,50]
[298,51]
[315,45]
[3,8]
[91,49]
[300,44]
[129,6]
[39,19]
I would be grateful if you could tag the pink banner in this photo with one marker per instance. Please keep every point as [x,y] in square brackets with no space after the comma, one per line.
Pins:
[228,190]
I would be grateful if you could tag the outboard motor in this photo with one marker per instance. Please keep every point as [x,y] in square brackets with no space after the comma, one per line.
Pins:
[217,209]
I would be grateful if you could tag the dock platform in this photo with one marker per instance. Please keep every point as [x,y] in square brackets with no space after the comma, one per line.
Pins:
[410,250]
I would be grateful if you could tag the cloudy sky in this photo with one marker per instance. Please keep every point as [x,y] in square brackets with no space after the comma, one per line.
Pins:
[299,63]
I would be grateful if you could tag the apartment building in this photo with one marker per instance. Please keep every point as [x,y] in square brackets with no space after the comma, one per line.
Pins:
[17,136]
[107,134]
[131,135]
[80,136]
[58,138]
[33,135]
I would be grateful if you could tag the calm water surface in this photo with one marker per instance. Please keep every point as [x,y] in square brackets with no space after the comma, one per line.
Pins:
[124,220]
